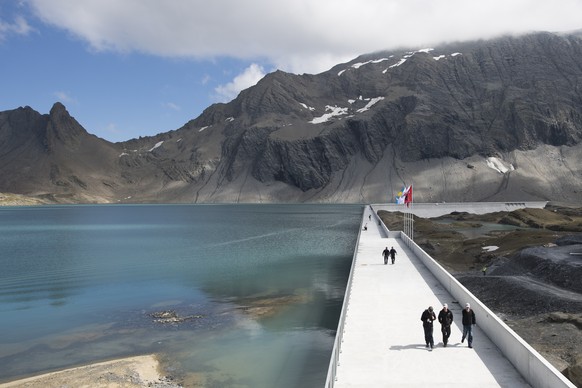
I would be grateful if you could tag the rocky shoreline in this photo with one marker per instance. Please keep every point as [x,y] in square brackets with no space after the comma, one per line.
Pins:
[130,372]
[9,199]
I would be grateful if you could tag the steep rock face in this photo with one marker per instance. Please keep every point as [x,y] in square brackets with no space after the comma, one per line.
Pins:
[22,147]
[62,129]
[492,98]
[514,93]
[20,128]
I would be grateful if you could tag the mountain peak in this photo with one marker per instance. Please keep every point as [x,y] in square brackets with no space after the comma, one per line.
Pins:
[62,127]
[58,108]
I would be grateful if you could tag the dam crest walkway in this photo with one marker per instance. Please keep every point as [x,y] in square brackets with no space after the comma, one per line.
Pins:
[380,339]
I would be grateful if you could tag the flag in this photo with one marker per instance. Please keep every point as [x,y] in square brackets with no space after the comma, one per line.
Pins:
[408,196]
[401,196]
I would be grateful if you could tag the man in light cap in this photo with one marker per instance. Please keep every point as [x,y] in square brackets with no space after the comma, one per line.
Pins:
[446,319]
[468,322]
[427,318]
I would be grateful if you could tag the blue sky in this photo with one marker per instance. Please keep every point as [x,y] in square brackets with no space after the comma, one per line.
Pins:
[130,68]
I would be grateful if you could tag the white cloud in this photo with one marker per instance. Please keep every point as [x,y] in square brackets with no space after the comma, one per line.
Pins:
[205,79]
[172,106]
[300,35]
[249,77]
[64,97]
[19,27]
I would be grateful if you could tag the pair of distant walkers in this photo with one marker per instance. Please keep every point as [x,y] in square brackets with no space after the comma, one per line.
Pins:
[389,253]
[445,318]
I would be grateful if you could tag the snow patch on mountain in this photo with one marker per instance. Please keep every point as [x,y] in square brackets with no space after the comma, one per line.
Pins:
[158,144]
[499,165]
[357,65]
[407,55]
[400,62]
[332,112]
[360,64]
[371,103]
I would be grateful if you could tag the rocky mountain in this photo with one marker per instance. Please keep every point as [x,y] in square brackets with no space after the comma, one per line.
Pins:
[493,120]
[53,156]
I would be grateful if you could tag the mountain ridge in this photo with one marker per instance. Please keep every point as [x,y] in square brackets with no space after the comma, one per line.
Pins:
[355,133]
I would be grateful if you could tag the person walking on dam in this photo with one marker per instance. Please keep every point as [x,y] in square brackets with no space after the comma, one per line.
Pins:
[393,254]
[446,320]
[427,318]
[468,322]
[386,254]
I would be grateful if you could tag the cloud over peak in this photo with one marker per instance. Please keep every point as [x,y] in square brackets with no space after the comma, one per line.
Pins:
[298,36]
[249,77]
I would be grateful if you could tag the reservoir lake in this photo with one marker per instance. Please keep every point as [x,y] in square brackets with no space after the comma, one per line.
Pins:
[257,289]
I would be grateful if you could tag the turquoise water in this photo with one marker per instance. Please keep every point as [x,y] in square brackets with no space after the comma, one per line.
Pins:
[482,230]
[79,284]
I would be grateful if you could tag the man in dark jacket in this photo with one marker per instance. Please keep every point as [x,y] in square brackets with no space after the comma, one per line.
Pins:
[386,254]
[446,319]
[468,322]
[393,254]
[427,319]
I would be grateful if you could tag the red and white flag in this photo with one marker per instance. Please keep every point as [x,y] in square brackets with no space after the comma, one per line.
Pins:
[408,196]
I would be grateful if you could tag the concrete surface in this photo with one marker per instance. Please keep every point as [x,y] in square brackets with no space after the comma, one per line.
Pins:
[383,339]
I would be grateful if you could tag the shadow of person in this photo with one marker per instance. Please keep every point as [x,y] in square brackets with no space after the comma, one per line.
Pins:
[408,347]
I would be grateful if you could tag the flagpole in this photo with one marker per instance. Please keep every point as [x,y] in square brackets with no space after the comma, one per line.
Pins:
[409,220]
[412,215]
[405,218]
[407,231]
[409,213]
[406,197]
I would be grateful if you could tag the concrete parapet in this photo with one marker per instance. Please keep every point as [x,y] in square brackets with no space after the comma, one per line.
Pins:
[429,210]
